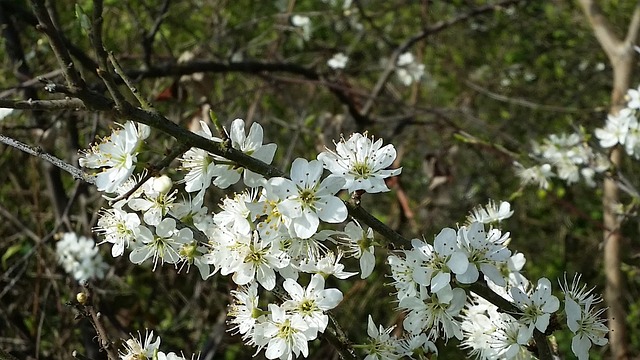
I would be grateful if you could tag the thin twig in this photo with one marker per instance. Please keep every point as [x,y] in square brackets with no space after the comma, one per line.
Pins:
[18,224]
[149,37]
[71,74]
[38,152]
[527,103]
[96,321]
[431,30]
[103,72]
[116,66]
[72,104]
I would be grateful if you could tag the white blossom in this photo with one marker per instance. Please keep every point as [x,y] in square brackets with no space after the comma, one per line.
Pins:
[537,307]
[118,227]
[164,246]
[338,61]
[381,345]
[80,258]
[283,334]
[407,70]
[312,302]
[491,212]
[227,173]
[434,313]
[116,156]
[583,319]
[361,162]
[306,200]
[136,348]
[358,243]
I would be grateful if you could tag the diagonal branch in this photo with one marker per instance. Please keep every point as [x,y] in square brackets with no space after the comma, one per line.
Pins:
[37,152]
[601,28]
[634,27]
[149,37]
[71,74]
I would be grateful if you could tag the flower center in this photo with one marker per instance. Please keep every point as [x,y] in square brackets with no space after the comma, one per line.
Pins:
[307,307]
[362,170]
[285,330]
[307,197]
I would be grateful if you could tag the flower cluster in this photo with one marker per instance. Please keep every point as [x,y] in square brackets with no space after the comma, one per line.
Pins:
[408,70]
[571,157]
[79,257]
[490,334]
[273,229]
[426,278]
[623,128]
[137,348]
[423,276]
[283,329]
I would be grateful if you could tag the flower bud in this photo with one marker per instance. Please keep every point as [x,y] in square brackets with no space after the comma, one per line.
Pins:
[162,184]
[82,298]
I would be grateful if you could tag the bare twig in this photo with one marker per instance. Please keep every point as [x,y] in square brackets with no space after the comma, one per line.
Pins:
[96,320]
[71,74]
[149,37]
[37,152]
[18,224]
[527,103]
[143,102]
[71,104]
[103,72]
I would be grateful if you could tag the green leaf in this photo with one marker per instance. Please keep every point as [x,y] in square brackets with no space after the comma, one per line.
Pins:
[9,253]
[83,19]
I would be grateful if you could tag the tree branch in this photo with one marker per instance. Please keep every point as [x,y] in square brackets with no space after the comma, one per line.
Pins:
[71,74]
[37,152]
[601,28]
[71,104]
[634,27]
[149,37]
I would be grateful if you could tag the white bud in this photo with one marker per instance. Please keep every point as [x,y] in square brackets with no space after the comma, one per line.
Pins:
[162,184]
